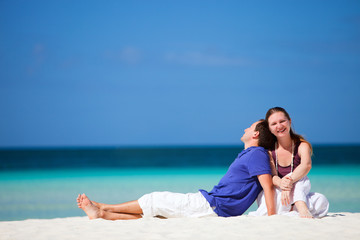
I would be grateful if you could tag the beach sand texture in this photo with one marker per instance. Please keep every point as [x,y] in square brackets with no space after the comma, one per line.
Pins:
[333,226]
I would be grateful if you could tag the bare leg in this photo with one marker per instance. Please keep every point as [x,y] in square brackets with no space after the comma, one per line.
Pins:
[94,212]
[131,207]
[303,209]
[97,204]
[118,216]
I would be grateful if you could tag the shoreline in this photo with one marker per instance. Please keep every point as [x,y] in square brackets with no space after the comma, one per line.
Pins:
[341,225]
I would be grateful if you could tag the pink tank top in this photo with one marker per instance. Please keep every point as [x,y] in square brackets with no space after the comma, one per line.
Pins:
[283,171]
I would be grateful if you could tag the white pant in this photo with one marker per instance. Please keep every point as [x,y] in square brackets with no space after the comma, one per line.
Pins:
[171,205]
[317,203]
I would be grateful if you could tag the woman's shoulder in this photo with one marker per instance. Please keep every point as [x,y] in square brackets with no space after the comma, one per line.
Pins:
[304,147]
[304,144]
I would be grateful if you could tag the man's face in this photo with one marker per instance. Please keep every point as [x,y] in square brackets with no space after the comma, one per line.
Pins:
[249,132]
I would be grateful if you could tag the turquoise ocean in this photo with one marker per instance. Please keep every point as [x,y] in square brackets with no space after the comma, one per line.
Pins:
[44,183]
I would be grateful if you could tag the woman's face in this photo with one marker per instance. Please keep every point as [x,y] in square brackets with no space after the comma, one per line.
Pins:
[279,124]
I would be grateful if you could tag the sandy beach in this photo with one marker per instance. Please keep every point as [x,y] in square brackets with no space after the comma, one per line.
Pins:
[333,226]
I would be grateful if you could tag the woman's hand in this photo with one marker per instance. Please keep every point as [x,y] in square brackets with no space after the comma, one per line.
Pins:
[286,183]
[285,198]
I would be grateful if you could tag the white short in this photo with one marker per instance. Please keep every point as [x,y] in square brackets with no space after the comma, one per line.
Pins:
[172,205]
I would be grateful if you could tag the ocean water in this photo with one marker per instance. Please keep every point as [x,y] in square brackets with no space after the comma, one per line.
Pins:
[44,183]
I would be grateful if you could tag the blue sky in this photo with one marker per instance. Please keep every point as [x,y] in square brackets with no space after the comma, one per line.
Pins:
[110,73]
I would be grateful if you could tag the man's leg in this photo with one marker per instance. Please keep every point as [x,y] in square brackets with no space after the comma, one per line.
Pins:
[133,209]
[119,216]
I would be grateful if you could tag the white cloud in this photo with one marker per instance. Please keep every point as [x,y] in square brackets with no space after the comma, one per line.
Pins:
[128,55]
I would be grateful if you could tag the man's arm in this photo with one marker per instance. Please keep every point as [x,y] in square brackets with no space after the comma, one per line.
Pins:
[269,192]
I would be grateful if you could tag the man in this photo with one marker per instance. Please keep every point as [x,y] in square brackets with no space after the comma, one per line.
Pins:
[237,190]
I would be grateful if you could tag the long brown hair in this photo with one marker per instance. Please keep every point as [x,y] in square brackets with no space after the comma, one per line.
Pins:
[294,136]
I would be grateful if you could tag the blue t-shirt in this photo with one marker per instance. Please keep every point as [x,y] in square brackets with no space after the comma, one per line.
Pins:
[239,187]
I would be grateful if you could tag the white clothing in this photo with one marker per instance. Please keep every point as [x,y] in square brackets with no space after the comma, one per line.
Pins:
[317,203]
[171,205]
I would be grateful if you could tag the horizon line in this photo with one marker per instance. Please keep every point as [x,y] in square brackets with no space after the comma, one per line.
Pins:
[146,146]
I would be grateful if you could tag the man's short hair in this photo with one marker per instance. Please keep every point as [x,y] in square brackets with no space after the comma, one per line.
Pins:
[266,138]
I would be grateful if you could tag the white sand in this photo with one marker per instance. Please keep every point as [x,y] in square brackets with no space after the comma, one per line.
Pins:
[334,226]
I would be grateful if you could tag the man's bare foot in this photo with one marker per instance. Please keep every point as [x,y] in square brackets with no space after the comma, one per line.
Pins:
[89,208]
[303,210]
[98,205]
[78,200]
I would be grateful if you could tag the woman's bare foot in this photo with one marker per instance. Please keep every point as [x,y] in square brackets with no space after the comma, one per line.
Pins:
[89,208]
[303,210]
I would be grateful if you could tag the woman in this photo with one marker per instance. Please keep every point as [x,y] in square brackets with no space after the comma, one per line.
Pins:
[291,162]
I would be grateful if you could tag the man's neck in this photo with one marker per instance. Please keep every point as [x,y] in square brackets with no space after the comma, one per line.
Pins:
[250,144]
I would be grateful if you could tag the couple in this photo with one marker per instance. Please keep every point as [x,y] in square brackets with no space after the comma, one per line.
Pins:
[251,176]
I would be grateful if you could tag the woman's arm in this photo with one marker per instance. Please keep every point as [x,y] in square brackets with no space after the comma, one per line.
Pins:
[303,169]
